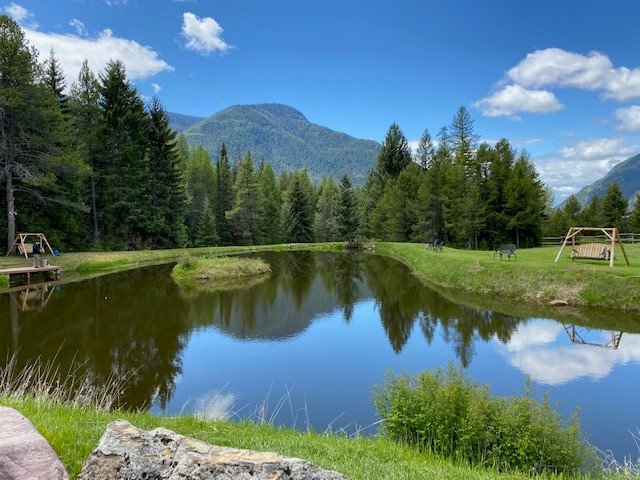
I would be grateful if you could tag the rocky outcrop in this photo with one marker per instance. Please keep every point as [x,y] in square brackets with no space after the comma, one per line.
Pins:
[126,453]
[24,453]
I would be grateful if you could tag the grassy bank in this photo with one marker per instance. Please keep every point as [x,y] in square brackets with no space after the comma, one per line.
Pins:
[534,278]
[220,273]
[74,432]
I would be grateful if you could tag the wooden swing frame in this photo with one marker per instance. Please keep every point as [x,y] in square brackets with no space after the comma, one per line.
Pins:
[611,233]
[20,243]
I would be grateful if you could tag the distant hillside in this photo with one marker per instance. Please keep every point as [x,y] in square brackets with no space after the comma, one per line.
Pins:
[180,122]
[284,137]
[626,173]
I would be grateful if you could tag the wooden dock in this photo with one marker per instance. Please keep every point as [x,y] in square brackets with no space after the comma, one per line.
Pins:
[49,270]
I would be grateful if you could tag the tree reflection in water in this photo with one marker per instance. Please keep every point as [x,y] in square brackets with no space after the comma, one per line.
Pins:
[138,323]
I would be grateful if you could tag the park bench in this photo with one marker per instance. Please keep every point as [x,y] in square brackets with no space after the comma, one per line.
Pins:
[592,251]
[436,246]
[507,249]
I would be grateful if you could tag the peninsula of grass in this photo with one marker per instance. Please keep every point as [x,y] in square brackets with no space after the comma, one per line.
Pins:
[219,273]
[74,431]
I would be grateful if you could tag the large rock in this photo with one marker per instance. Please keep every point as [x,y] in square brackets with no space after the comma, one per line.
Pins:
[127,453]
[24,453]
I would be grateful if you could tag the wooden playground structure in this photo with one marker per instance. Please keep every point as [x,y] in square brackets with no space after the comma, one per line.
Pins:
[25,248]
[593,250]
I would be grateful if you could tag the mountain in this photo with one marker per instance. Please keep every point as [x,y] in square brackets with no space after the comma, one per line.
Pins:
[626,173]
[286,139]
[180,122]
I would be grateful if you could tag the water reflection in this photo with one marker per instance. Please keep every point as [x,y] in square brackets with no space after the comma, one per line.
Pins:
[331,322]
[553,354]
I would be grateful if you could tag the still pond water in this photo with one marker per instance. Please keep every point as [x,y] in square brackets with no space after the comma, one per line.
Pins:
[306,346]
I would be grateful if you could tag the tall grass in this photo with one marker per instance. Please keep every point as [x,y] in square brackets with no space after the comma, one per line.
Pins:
[45,381]
[445,412]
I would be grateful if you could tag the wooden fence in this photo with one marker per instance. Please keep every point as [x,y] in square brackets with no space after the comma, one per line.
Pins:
[625,237]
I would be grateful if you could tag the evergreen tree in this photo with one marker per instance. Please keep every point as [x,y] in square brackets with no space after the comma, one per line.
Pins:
[425,152]
[395,153]
[397,205]
[634,216]
[525,203]
[88,130]
[183,152]
[200,184]
[591,216]
[324,224]
[206,235]
[572,210]
[297,221]
[125,183]
[347,221]
[54,78]
[224,198]
[243,215]
[462,134]
[269,221]
[614,208]
[167,187]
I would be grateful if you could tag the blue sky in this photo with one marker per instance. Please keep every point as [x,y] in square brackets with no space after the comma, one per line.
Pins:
[561,79]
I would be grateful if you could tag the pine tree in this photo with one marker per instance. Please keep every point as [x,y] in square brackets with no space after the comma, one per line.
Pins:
[572,210]
[614,207]
[396,207]
[54,78]
[425,152]
[125,183]
[591,215]
[462,134]
[244,214]
[200,185]
[525,203]
[634,216]
[167,187]
[270,218]
[347,221]
[395,153]
[297,221]
[324,224]
[206,235]
[224,198]
[88,130]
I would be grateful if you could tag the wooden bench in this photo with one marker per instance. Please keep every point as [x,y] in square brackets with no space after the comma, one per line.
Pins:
[507,249]
[592,251]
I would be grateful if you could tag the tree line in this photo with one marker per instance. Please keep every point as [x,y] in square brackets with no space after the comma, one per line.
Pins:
[95,167]
[611,210]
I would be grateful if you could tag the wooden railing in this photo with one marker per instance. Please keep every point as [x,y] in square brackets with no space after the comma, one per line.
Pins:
[625,237]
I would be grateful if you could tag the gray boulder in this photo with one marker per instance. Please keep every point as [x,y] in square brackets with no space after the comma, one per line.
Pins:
[24,453]
[127,453]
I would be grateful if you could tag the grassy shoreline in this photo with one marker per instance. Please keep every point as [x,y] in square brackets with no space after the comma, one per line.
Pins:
[534,279]
[74,431]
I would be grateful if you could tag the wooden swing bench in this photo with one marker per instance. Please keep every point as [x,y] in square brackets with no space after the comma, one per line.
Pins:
[592,251]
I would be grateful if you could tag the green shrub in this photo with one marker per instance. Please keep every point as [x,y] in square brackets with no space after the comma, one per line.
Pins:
[447,413]
[89,267]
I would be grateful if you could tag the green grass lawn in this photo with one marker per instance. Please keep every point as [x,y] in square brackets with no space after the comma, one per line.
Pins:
[74,432]
[533,278]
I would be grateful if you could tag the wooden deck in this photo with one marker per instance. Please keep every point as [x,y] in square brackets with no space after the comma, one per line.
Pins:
[49,270]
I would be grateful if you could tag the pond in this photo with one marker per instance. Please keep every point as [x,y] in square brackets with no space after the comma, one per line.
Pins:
[305,347]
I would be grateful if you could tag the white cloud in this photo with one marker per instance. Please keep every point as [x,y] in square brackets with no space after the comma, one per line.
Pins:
[580,163]
[113,3]
[156,87]
[514,99]
[141,61]
[628,118]
[79,26]
[596,149]
[203,35]
[20,14]
[555,67]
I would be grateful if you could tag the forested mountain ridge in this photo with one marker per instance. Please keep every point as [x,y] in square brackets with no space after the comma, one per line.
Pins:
[287,139]
[180,122]
[626,174]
